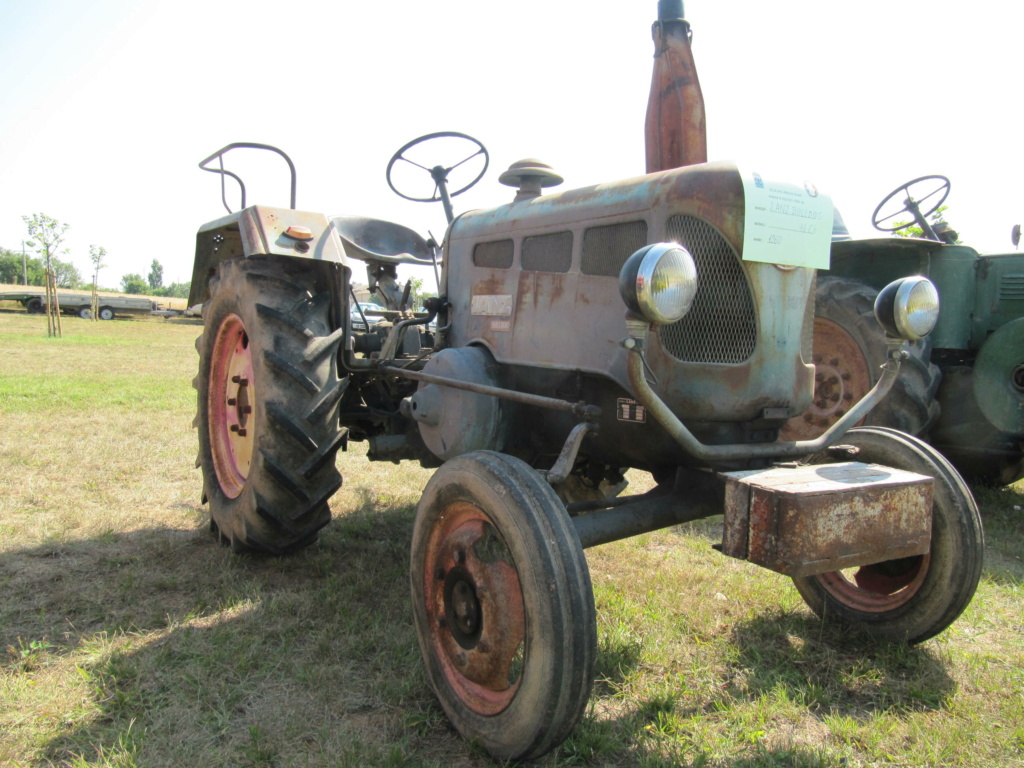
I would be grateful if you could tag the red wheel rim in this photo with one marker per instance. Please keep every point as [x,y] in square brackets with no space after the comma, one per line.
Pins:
[877,588]
[230,402]
[841,378]
[474,607]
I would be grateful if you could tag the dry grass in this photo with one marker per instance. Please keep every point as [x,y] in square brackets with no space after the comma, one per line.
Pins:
[129,637]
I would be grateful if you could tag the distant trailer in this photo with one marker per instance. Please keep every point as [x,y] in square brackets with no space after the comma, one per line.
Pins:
[81,304]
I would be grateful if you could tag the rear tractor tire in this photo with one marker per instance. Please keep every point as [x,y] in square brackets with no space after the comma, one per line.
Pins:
[849,350]
[913,598]
[268,391]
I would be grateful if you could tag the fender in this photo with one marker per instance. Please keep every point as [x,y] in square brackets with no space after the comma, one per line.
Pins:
[263,231]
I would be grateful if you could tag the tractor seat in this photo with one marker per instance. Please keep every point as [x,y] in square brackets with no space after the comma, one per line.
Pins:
[378,240]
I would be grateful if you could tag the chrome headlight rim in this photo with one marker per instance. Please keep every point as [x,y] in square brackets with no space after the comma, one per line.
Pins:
[908,308]
[639,281]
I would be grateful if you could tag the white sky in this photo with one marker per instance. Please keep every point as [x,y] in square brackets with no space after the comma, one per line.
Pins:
[107,106]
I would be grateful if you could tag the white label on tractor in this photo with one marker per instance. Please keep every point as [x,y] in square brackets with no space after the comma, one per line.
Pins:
[785,223]
[627,409]
[492,306]
[501,325]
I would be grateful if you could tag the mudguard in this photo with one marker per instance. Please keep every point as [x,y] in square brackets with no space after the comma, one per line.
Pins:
[263,231]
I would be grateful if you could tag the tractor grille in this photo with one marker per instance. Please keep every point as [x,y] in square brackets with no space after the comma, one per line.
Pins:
[721,326]
[605,249]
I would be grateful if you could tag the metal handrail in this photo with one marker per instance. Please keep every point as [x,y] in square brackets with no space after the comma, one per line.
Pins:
[219,155]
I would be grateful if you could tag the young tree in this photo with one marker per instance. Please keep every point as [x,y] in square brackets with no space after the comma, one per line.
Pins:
[156,275]
[96,254]
[46,235]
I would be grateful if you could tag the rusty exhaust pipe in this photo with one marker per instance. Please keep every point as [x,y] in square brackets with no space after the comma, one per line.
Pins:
[675,130]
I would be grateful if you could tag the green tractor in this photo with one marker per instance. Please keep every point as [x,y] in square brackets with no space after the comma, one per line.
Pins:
[962,389]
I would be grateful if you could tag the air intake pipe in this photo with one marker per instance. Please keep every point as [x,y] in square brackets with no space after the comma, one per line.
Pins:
[675,130]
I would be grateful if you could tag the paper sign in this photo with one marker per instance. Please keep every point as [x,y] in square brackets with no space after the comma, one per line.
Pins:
[786,223]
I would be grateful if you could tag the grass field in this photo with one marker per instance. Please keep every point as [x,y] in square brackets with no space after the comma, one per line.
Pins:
[130,638]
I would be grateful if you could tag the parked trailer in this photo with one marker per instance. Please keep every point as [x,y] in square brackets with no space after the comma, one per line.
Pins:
[81,303]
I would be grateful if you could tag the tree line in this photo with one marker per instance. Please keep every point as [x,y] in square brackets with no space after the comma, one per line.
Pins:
[45,236]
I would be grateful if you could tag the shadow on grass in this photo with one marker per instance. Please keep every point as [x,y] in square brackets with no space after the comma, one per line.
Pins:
[191,656]
[834,671]
[786,665]
[184,654]
[617,660]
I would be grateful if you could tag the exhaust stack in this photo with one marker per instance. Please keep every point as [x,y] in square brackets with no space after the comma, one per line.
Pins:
[675,131]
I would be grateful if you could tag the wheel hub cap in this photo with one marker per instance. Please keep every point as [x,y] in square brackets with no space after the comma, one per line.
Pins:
[475,609]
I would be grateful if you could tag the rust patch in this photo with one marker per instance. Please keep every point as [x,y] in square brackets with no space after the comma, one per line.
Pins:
[527,291]
[814,519]
[490,285]
[550,288]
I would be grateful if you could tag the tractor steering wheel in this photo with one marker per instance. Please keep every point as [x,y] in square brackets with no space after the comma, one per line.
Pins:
[438,173]
[936,184]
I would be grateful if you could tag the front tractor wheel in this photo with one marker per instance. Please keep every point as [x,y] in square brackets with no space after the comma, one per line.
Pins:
[913,598]
[268,389]
[503,605]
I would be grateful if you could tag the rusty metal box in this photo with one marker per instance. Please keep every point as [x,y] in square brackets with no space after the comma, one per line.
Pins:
[801,520]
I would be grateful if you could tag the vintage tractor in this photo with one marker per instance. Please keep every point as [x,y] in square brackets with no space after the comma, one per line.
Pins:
[963,388]
[578,334]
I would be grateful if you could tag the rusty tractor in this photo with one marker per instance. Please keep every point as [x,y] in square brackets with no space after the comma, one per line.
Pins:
[689,349]
[963,387]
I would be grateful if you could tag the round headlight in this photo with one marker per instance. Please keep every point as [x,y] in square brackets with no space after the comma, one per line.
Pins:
[658,283]
[908,307]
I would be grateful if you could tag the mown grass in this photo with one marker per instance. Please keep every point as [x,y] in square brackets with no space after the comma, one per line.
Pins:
[130,638]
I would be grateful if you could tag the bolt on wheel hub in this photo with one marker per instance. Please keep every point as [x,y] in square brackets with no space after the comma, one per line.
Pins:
[231,396]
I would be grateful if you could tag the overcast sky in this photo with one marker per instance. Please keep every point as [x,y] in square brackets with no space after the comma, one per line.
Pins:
[108,106]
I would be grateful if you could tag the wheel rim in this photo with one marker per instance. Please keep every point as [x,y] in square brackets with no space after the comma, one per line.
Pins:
[841,378]
[475,610]
[880,587]
[230,402]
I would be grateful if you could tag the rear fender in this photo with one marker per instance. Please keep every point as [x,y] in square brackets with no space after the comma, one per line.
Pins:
[263,231]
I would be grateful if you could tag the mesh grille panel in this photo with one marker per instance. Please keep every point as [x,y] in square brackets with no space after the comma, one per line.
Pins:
[547,253]
[496,255]
[721,326]
[605,249]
